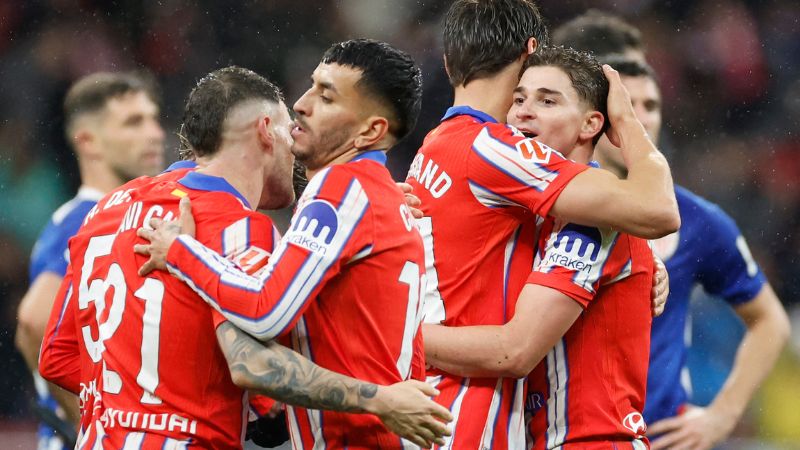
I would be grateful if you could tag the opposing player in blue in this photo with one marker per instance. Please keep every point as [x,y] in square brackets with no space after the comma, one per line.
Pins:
[112,124]
[708,250]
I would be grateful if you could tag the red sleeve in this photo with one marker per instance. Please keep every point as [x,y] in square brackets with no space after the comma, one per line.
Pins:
[506,169]
[331,225]
[243,237]
[59,357]
[576,259]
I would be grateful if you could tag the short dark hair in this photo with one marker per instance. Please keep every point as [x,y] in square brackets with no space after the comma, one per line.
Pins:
[629,67]
[481,37]
[213,98]
[388,74]
[585,73]
[599,33]
[91,93]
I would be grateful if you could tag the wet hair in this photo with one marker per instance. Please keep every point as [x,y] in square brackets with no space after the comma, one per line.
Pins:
[92,93]
[212,100]
[629,67]
[388,75]
[598,33]
[585,73]
[482,37]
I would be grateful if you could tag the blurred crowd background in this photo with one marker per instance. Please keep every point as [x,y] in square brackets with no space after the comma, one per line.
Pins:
[729,70]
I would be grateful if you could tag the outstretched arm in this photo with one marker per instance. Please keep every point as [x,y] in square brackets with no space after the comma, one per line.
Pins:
[405,408]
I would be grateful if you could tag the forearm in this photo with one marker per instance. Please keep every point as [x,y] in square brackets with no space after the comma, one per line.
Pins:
[286,376]
[649,188]
[755,358]
[264,306]
[478,351]
[28,346]
[68,402]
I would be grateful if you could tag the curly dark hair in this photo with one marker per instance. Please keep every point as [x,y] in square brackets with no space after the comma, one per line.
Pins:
[389,75]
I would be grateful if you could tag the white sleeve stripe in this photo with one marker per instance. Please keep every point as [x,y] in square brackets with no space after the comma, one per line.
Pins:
[352,209]
[488,198]
[236,237]
[510,161]
[624,273]
[510,170]
[504,148]
[305,280]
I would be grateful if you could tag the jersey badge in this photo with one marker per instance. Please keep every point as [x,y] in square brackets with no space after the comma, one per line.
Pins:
[314,227]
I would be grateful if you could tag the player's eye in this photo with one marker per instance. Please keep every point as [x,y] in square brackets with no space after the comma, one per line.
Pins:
[519,101]
[325,99]
[133,121]
[548,101]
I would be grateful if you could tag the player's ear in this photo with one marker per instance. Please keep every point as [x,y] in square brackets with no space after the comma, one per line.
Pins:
[85,143]
[373,130]
[264,132]
[592,125]
[531,45]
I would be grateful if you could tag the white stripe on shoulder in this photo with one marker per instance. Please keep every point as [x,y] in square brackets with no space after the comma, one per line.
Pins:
[509,160]
[488,198]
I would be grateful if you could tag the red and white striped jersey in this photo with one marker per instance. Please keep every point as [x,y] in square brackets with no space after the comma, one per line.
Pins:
[589,391]
[482,186]
[156,368]
[62,358]
[345,280]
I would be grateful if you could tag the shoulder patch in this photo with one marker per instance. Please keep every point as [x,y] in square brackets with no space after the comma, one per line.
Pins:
[314,226]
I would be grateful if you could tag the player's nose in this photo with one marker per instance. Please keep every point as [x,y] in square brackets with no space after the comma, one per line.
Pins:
[301,106]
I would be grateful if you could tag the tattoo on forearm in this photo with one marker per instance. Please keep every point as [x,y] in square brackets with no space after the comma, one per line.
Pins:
[287,376]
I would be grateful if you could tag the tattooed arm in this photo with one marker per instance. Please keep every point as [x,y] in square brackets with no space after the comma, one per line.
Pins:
[405,408]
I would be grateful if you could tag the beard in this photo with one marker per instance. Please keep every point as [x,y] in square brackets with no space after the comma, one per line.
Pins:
[299,179]
[322,150]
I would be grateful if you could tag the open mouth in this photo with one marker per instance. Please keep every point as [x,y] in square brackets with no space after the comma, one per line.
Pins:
[529,134]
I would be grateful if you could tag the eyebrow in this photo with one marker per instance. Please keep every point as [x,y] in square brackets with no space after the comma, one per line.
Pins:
[549,91]
[327,85]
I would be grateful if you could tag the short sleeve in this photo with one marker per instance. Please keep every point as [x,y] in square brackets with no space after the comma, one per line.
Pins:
[574,259]
[505,169]
[728,269]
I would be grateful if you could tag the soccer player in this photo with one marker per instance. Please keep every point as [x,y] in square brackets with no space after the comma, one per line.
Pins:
[112,125]
[159,376]
[590,285]
[345,282]
[494,180]
[709,250]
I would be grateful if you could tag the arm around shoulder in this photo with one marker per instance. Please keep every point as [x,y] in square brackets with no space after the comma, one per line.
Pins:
[595,197]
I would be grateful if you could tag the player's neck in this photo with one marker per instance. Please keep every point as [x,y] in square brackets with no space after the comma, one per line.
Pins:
[489,95]
[581,154]
[97,176]
[245,176]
